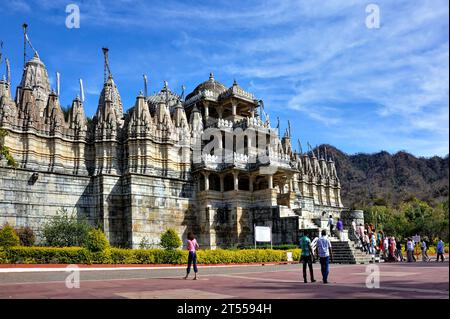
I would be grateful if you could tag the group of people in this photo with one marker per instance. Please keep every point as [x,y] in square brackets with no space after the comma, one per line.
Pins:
[371,242]
[323,250]
[339,227]
[389,248]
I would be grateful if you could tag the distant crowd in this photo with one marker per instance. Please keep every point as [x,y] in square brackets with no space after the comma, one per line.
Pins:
[377,243]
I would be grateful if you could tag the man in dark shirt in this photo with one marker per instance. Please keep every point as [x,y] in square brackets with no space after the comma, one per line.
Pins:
[306,256]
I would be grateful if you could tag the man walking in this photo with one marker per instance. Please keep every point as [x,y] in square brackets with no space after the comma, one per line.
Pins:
[410,250]
[306,256]
[355,233]
[425,257]
[340,228]
[361,235]
[331,224]
[325,255]
[440,250]
[366,243]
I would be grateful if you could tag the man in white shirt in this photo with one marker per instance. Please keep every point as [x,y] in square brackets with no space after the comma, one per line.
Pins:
[385,248]
[325,255]
[410,250]
[331,224]
[354,227]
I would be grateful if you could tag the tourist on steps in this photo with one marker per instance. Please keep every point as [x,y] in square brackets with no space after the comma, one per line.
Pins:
[366,242]
[373,244]
[331,224]
[192,246]
[325,255]
[440,250]
[307,256]
[355,233]
[340,228]
[361,235]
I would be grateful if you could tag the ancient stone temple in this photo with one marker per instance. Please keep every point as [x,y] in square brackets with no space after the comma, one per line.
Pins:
[209,162]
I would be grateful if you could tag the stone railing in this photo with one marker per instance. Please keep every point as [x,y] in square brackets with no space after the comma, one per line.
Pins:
[239,92]
[221,123]
[275,158]
[251,122]
[208,94]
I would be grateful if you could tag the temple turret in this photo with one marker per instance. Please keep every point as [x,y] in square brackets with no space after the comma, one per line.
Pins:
[35,77]
[163,121]
[286,142]
[109,116]
[141,121]
[324,167]
[181,124]
[53,115]
[77,119]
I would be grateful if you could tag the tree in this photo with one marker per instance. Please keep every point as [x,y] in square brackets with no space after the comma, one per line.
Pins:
[26,236]
[170,239]
[8,237]
[64,230]
[96,241]
[4,150]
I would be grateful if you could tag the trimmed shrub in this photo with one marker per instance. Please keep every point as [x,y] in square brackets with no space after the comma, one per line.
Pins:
[8,237]
[170,239]
[26,236]
[65,231]
[267,246]
[81,255]
[96,241]
[48,255]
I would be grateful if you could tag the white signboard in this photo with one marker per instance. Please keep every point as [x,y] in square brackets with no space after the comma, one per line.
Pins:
[289,256]
[263,234]
[416,239]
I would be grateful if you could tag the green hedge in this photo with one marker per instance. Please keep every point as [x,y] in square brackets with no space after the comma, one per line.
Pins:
[79,255]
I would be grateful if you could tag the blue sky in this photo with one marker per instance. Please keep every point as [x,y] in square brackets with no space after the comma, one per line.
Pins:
[359,89]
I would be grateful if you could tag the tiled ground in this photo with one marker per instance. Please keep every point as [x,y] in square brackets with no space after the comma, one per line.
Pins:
[417,280]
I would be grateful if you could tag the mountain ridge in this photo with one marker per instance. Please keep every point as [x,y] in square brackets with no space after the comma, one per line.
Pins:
[382,178]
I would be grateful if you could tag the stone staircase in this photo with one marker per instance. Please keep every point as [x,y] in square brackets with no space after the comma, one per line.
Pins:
[346,252]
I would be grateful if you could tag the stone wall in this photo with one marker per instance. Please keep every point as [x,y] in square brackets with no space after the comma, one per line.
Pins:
[155,203]
[25,202]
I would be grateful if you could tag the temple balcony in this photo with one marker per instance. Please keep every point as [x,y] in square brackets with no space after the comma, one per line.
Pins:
[238,92]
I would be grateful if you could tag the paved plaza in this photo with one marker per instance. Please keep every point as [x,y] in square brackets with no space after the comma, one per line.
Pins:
[399,280]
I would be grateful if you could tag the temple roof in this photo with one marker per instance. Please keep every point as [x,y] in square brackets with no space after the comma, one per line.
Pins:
[211,85]
[165,96]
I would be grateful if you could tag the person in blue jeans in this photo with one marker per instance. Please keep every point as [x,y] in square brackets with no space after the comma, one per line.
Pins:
[325,255]
[440,250]
[192,247]
[307,256]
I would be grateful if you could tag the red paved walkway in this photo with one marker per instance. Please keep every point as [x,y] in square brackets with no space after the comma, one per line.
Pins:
[418,280]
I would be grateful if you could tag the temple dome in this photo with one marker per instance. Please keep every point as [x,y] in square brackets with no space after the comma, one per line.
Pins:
[211,85]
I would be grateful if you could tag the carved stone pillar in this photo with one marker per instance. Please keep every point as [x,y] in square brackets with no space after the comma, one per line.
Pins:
[206,180]
[270,181]
[206,111]
[222,187]
[236,180]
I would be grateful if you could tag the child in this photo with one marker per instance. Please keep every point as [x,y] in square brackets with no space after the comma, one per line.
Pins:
[192,245]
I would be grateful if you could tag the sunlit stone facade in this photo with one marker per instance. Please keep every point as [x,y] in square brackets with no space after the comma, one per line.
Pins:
[152,167]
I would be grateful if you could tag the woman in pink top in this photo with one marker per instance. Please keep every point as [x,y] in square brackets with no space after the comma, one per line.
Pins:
[192,246]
